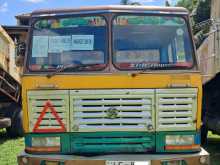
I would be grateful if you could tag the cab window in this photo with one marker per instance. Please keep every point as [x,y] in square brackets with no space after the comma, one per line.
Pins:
[58,42]
[151,42]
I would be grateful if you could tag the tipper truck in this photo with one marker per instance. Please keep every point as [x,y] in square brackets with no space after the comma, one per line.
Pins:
[111,85]
[208,56]
[10,88]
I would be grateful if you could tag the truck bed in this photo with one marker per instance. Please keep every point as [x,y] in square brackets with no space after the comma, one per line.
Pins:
[10,89]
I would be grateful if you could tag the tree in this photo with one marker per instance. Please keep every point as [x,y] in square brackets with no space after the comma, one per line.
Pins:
[200,11]
[188,4]
[128,2]
[167,3]
[203,11]
[124,2]
[134,3]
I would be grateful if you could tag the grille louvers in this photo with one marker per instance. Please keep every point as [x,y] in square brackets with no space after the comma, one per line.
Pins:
[59,100]
[176,109]
[112,142]
[116,110]
[112,110]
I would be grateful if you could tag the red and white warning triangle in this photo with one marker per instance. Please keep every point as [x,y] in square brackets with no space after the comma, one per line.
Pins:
[48,106]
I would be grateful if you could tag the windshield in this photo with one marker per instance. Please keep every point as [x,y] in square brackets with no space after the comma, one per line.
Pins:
[151,42]
[58,42]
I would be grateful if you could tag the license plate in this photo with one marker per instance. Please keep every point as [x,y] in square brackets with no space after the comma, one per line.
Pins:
[127,163]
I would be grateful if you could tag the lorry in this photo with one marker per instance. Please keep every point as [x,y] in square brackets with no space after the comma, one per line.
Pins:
[208,58]
[111,85]
[10,88]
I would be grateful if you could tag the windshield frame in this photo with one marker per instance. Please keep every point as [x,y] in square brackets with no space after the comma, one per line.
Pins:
[30,41]
[109,15]
[188,26]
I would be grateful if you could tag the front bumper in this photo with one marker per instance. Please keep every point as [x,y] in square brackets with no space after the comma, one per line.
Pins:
[112,142]
[201,158]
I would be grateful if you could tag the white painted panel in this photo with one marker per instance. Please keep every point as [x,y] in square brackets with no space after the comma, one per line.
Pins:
[119,108]
[112,102]
[120,114]
[176,109]
[109,121]
[132,106]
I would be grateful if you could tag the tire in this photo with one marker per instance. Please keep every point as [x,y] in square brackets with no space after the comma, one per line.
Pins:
[16,128]
[204,134]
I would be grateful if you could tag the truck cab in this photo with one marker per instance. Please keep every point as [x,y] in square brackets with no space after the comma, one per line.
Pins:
[111,80]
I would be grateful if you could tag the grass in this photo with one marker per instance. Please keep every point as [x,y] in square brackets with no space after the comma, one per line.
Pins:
[10,148]
[212,147]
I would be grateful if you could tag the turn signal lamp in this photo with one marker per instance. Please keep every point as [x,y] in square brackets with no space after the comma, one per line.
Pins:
[44,144]
[181,142]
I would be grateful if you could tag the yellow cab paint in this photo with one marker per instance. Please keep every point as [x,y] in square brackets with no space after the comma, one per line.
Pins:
[111,81]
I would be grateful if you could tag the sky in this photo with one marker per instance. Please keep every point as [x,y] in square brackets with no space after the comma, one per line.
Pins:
[10,8]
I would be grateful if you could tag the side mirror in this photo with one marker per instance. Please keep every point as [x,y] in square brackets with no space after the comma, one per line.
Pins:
[20,49]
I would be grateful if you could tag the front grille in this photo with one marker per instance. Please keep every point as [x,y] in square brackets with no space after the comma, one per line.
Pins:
[176,109]
[112,142]
[37,101]
[116,110]
[112,110]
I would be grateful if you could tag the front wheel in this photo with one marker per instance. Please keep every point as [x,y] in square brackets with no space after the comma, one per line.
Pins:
[204,134]
[16,128]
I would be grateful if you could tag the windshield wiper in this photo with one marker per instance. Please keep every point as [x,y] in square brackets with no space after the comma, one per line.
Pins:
[159,67]
[70,66]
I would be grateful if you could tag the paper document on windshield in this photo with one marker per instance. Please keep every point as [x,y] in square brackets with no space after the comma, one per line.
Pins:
[82,42]
[40,46]
[58,44]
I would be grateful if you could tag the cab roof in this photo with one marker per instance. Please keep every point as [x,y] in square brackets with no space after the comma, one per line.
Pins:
[111,8]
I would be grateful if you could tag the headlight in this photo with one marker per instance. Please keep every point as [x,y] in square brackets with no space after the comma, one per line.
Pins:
[45,141]
[44,145]
[179,139]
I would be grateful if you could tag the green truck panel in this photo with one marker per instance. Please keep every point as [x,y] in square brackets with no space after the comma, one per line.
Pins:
[113,142]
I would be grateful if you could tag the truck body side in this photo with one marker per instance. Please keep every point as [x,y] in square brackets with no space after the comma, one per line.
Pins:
[10,88]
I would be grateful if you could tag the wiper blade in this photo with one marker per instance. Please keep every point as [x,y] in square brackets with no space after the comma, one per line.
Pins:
[165,66]
[70,66]
[157,67]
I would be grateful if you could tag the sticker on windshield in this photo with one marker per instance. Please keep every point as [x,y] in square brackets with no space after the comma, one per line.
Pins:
[82,42]
[181,57]
[179,32]
[58,44]
[40,46]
